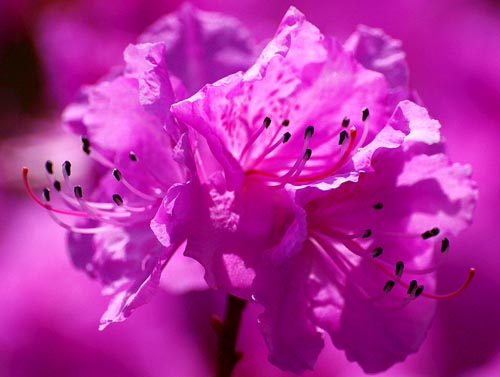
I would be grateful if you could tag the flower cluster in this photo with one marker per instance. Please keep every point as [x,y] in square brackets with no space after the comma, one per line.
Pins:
[306,180]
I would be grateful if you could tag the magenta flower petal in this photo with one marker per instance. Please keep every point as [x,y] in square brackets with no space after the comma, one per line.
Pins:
[293,339]
[298,94]
[201,47]
[377,234]
[379,52]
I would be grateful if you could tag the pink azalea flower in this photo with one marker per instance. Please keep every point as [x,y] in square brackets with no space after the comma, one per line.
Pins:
[317,202]
[128,131]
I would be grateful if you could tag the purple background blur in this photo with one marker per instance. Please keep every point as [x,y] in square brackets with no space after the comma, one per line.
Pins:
[49,312]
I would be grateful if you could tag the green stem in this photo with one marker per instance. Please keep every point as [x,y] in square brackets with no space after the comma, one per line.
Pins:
[227,356]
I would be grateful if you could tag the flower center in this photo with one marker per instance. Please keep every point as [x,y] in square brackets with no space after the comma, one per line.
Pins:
[343,251]
[265,156]
[131,206]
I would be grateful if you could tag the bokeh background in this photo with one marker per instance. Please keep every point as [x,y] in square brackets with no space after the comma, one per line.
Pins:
[49,312]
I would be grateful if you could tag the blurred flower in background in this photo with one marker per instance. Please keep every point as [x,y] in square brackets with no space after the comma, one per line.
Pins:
[48,325]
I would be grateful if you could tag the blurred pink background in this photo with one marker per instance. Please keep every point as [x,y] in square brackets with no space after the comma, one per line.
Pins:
[50,312]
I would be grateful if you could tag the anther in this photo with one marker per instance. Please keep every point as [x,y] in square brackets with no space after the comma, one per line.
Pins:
[86,145]
[117,174]
[367,233]
[378,205]
[67,167]
[49,166]
[132,156]
[430,233]
[345,122]
[46,194]
[286,137]
[307,154]
[285,123]
[412,287]
[419,291]
[377,252]
[118,200]
[309,132]
[267,122]
[78,191]
[343,136]
[57,185]
[365,113]
[388,286]
[445,244]
[399,268]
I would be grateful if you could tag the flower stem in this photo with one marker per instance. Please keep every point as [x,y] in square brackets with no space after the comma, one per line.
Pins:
[227,356]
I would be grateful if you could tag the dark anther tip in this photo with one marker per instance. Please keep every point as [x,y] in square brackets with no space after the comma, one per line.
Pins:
[378,205]
[67,167]
[132,156]
[307,154]
[367,233]
[57,185]
[377,252]
[445,244]
[365,113]
[78,191]
[85,145]
[49,166]
[399,268]
[117,199]
[430,233]
[286,137]
[46,194]
[419,290]
[388,286]
[117,174]
[309,131]
[345,122]
[267,122]
[285,123]
[343,137]
[412,287]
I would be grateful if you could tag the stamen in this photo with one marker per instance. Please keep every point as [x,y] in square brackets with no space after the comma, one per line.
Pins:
[377,252]
[419,291]
[265,125]
[49,166]
[307,154]
[46,194]
[86,145]
[445,244]
[132,156]
[399,269]
[134,190]
[45,205]
[378,205]
[57,185]
[367,233]
[67,168]
[117,174]
[345,122]
[365,113]
[118,200]
[347,148]
[78,192]
[430,233]
[467,282]
[412,287]
[309,132]
[343,136]
[267,122]
[389,285]
[286,137]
